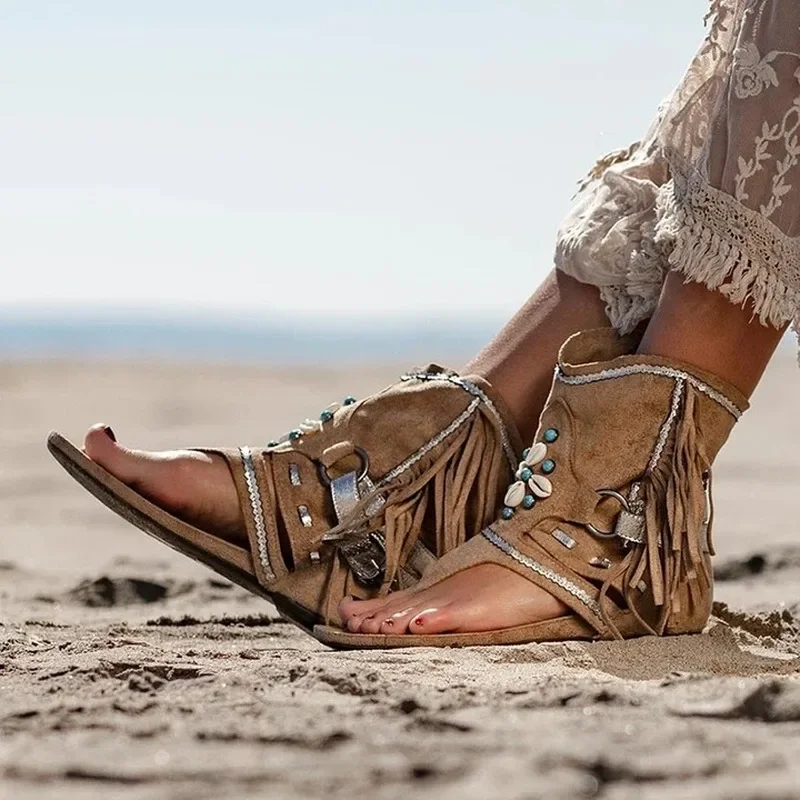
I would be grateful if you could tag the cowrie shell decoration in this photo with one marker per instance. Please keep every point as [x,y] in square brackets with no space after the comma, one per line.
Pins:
[536,454]
[541,486]
[515,494]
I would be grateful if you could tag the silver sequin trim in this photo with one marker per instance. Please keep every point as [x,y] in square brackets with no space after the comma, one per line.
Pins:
[663,434]
[429,445]
[540,569]
[257,510]
[294,475]
[475,391]
[649,369]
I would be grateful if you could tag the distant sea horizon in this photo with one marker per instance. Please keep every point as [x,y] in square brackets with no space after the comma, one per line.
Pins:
[284,340]
[224,337]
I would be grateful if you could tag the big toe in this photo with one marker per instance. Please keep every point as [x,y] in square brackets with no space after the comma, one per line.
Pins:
[100,444]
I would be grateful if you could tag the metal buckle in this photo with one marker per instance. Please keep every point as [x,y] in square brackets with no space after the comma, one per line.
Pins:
[366,557]
[623,501]
[362,454]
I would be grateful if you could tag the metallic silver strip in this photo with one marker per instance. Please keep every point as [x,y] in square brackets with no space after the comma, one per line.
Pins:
[475,391]
[540,569]
[294,475]
[256,509]
[365,487]
[429,445]
[564,538]
[305,517]
[345,495]
[649,369]
[663,434]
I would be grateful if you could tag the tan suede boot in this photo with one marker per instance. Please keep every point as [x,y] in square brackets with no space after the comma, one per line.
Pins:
[356,502]
[610,510]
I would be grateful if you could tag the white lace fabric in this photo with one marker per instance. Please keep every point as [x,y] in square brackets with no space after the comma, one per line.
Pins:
[713,189]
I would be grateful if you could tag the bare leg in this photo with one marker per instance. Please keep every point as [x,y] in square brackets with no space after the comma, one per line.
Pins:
[519,363]
[691,324]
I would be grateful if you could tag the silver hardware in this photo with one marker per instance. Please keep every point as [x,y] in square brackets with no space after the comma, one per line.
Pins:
[564,538]
[294,475]
[540,569]
[256,509]
[600,563]
[305,517]
[315,556]
[621,500]
[630,526]
[641,586]
[345,494]
[362,454]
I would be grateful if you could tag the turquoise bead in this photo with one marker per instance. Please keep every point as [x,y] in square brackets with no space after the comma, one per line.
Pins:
[528,501]
[295,435]
[507,513]
[349,400]
[550,435]
[326,415]
[273,443]
[525,452]
[525,474]
[548,465]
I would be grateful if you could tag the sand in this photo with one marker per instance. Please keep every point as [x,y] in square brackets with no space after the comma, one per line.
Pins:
[129,672]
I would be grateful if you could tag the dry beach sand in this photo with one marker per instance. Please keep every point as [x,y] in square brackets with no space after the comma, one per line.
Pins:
[129,672]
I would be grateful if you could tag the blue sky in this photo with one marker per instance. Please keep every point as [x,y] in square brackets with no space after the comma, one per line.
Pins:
[336,156]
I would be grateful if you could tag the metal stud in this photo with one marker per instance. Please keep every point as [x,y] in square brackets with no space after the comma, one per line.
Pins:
[305,517]
[564,538]
[294,475]
[600,563]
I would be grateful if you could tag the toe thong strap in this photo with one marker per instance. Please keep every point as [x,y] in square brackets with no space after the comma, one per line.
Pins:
[530,561]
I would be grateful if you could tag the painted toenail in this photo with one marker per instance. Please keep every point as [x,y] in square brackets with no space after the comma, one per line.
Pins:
[418,621]
[108,432]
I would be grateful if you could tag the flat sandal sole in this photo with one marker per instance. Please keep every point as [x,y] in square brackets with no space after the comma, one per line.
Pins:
[161,525]
[569,628]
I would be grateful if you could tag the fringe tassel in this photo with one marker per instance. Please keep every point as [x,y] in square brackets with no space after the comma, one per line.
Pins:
[456,495]
[675,501]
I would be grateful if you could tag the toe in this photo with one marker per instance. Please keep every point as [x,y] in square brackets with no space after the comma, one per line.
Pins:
[100,444]
[372,624]
[436,619]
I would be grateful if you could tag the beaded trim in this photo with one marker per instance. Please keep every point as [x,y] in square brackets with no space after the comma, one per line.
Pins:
[429,445]
[649,369]
[540,569]
[256,509]
[475,391]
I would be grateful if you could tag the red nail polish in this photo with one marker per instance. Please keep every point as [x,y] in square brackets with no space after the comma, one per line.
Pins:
[418,621]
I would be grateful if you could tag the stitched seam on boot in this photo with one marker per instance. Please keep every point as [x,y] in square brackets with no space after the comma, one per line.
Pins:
[545,572]
[475,391]
[256,509]
[647,369]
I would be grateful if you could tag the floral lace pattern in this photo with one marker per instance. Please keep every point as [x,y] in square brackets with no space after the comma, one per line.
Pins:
[713,189]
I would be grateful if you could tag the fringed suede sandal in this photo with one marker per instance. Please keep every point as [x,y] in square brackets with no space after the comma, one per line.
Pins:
[610,511]
[357,502]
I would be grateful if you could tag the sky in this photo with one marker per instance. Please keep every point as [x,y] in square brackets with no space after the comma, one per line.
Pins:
[354,157]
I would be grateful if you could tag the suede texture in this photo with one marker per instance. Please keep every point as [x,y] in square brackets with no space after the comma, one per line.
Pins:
[607,434]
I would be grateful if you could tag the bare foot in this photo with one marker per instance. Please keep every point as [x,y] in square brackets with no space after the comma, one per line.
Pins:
[484,598]
[196,487]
